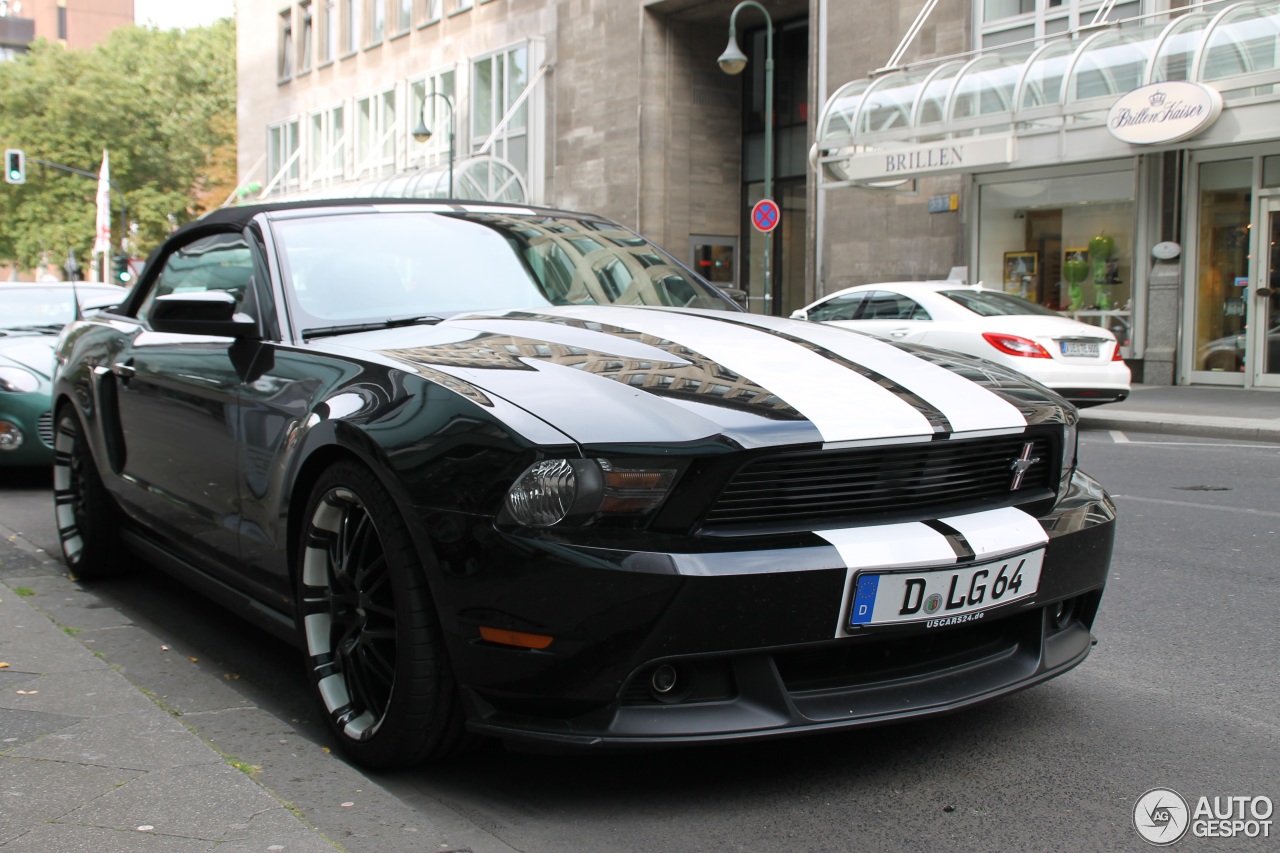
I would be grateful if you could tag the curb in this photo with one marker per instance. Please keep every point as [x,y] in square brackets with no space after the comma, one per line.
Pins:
[1202,426]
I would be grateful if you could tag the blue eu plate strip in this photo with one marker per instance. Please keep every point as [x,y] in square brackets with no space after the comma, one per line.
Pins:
[864,601]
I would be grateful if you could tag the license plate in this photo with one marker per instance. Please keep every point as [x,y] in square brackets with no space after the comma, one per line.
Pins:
[943,594]
[1088,349]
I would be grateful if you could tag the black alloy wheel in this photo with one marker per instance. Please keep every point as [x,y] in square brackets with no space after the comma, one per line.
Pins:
[84,512]
[373,648]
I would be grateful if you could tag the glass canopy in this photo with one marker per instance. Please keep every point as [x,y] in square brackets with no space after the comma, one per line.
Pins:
[1235,47]
[484,178]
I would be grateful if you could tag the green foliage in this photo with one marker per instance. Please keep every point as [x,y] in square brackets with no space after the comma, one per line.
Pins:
[161,102]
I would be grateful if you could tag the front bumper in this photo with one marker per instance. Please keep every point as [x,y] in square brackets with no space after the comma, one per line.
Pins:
[749,637]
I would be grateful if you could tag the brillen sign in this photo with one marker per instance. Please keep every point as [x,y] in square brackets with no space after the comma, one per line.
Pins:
[1164,112]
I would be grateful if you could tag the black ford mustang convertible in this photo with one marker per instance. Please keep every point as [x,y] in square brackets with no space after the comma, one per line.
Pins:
[516,472]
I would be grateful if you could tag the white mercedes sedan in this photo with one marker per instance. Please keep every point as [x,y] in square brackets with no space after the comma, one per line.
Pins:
[1079,361]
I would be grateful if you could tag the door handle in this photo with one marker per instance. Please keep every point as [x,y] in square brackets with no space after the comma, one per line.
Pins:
[899,333]
[124,370]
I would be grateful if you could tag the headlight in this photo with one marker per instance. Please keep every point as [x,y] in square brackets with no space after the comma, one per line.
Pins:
[581,490]
[18,381]
[10,436]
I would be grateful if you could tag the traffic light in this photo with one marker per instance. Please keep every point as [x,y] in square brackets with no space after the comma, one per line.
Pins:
[120,269]
[15,166]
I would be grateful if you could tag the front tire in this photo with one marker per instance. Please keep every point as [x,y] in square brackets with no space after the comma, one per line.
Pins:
[84,512]
[374,652]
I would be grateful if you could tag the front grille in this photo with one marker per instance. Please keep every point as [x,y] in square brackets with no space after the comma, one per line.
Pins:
[883,481]
[44,426]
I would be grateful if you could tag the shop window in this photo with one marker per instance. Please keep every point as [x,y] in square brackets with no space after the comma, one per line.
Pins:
[1222,274]
[1066,243]
[1271,171]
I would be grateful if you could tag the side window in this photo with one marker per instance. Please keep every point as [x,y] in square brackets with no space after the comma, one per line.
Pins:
[883,305]
[839,308]
[218,262]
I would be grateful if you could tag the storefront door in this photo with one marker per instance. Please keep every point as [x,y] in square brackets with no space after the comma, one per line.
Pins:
[1266,300]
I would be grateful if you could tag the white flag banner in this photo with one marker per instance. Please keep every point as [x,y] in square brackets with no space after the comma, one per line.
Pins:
[102,242]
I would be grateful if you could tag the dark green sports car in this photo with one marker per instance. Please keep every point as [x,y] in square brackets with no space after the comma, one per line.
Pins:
[31,316]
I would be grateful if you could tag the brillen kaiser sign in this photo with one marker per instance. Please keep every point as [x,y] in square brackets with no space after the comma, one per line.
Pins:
[936,158]
[1164,112]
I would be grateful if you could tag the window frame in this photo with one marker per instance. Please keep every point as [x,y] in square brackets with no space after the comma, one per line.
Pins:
[363,147]
[288,130]
[306,35]
[285,57]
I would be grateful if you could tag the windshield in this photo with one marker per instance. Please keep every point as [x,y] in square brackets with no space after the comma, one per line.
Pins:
[359,267]
[991,303]
[45,306]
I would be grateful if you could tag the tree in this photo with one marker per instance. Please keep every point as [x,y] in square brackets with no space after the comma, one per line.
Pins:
[163,104]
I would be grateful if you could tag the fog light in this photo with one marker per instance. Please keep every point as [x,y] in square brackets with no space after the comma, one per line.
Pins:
[10,436]
[1061,614]
[664,679]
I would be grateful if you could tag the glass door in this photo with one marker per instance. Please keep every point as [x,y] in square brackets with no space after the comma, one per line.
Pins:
[1221,283]
[1266,300]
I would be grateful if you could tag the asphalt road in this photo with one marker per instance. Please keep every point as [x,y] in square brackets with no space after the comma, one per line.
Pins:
[1181,692]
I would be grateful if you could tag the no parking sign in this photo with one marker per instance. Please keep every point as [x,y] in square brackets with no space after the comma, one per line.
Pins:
[765,215]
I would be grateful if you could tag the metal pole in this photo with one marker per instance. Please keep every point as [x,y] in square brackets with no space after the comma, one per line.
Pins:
[768,135]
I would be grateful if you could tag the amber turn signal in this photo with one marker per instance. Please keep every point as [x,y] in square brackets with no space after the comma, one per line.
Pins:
[514,638]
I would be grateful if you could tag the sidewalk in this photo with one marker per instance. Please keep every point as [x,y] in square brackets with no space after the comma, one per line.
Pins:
[89,763]
[1208,412]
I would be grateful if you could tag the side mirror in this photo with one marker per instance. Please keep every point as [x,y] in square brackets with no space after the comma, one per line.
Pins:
[799,314]
[738,295]
[211,312]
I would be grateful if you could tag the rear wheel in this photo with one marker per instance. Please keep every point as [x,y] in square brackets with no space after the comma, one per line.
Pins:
[83,510]
[373,647]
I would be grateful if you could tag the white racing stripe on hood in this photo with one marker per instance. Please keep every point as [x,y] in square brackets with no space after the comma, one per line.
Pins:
[998,531]
[967,406]
[573,336]
[841,404]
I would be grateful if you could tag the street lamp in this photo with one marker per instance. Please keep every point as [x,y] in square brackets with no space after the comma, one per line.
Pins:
[422,133]
[733,61]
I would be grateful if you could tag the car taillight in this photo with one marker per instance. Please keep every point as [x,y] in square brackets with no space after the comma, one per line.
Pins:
[1116,356]
[1015,345]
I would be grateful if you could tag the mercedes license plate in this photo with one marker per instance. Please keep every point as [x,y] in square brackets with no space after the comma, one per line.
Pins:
[943,596]
[1087,349]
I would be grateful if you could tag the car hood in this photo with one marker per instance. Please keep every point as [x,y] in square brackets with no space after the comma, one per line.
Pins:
[606,374]
[33,352]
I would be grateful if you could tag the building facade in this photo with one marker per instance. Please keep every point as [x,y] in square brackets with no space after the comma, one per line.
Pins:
[1117,161]
[73,23]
